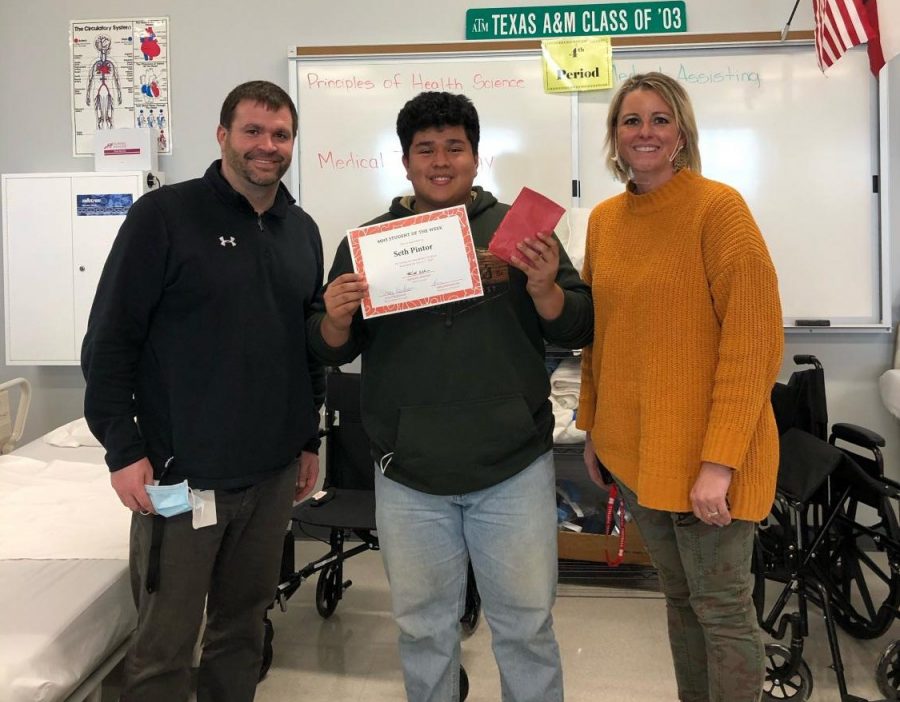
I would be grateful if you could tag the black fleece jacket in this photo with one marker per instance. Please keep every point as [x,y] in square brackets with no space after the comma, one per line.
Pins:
[195,354]
[454,398]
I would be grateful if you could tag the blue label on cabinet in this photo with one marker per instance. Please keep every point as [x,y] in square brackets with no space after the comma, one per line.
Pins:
[105,205]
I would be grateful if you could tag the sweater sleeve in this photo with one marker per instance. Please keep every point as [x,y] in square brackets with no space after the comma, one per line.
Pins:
[320,350]
[129,290]
[744,289]
[574,328]
[587,398]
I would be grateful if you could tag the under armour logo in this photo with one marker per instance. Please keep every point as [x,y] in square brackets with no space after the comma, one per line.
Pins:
[225,242]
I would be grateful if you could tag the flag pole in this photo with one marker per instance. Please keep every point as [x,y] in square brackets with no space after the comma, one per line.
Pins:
[787,26]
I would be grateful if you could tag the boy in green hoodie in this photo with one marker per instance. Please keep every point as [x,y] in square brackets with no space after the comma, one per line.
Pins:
[455,404]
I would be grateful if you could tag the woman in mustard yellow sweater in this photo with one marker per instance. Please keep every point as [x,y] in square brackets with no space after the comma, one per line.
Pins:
[675,387]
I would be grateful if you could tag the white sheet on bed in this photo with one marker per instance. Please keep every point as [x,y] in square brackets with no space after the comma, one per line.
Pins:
[65,594]
[60,620]
[43,450]
[72,435]
[17,471]
[60,509]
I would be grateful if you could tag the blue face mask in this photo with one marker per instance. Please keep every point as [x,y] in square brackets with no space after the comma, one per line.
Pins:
[169,500]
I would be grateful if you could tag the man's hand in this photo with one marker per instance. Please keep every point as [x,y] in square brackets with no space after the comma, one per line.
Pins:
[538,259]
[342,298]
[129,482]
[307,475]
[708,496]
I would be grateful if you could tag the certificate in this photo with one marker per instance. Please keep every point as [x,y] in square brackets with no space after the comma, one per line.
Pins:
[419,261]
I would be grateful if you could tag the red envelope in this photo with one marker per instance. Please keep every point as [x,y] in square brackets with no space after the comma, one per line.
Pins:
[530,213]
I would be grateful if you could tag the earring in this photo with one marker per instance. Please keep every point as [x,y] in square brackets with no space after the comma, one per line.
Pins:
[680,161]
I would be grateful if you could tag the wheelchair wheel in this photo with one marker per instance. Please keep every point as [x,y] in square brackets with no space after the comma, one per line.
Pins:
[779,683]
[463,684]
[472,614]
[328,590]
[856,576]
[887,672]
[267,647]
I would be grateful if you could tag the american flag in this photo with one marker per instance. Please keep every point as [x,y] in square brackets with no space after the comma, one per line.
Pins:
[842,24]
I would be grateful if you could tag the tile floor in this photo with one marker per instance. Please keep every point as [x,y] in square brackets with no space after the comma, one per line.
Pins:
[612,638]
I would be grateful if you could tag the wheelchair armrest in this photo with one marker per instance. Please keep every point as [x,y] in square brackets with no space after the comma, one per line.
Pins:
[854,434]
[803,359]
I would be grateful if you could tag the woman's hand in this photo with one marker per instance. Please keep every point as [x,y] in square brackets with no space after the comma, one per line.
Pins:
[709,494]
[592,463]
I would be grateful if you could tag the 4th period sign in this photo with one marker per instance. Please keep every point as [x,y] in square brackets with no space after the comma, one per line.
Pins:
[668,16]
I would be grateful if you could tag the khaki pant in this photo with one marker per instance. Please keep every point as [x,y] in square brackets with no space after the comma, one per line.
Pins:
[704,572]
[233,568]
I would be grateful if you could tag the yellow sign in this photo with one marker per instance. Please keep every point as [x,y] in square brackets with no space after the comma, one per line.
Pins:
[580,63]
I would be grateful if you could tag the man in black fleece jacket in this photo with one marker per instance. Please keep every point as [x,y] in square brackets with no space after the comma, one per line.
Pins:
[455,404]
[196,368]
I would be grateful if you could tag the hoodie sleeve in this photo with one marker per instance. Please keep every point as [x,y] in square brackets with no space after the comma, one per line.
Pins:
[319,349]
[574,328]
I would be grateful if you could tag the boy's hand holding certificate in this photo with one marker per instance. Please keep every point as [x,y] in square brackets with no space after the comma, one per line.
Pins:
[530,213]
[419,261]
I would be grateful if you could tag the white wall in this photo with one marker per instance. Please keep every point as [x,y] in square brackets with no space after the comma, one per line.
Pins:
[215,45]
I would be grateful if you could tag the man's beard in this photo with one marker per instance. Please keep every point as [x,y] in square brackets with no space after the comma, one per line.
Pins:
[240,165]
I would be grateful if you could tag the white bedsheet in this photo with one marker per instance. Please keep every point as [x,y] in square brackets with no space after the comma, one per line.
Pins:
[65,596]
[61,509]
[72,435]
[43,450]
[60,620]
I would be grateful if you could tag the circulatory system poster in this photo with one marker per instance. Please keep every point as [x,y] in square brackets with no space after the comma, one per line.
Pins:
[120,79]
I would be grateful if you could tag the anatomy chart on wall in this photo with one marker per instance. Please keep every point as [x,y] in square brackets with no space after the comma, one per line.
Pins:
[120,79]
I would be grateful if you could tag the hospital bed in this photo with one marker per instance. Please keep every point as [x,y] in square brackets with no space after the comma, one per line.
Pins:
[66,609]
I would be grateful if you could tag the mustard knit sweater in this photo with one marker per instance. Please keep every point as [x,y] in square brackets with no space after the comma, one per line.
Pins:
[687,344]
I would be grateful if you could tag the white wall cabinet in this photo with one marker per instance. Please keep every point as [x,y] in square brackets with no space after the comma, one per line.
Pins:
[57,231]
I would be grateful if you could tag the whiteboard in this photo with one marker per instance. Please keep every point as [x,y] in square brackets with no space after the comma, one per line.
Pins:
[350,157]
[802,148]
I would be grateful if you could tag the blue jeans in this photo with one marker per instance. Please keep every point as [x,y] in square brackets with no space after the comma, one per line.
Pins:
[509,533]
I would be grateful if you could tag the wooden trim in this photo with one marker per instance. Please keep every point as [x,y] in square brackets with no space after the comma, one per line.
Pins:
[732,38]
[630,42]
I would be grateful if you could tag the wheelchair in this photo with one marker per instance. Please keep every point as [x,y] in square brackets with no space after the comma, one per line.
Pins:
[831,540]
[345,508]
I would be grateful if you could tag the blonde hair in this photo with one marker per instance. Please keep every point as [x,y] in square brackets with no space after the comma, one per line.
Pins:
[676,98]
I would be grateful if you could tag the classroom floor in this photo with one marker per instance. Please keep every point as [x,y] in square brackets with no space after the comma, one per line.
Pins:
[612,638]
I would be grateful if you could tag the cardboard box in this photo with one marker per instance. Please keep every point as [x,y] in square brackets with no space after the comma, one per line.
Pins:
[594,547]
[126,150]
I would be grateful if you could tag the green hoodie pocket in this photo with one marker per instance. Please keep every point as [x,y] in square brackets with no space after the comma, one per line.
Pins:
[438,445]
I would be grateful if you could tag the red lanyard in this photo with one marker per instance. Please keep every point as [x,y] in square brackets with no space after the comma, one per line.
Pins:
[610,509]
